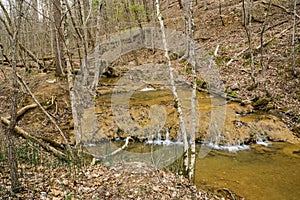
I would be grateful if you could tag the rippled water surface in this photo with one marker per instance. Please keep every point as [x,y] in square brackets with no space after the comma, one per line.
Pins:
[257,173]
[264,173]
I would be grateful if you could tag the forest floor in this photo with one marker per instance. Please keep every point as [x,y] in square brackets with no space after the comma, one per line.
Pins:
[274,79]
[275,82]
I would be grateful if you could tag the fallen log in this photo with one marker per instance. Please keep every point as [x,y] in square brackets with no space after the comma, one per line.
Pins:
[23,110]
[26,135]
[46,113]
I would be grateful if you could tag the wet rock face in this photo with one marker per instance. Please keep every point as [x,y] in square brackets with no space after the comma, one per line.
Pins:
[241,125]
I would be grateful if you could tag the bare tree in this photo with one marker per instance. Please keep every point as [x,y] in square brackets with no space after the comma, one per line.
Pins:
[220,13]
[192,58]
[262,45]
[58,38]
[14,104]
[247,17]
[174,89]
[246,9]
[7,22]
[293,40]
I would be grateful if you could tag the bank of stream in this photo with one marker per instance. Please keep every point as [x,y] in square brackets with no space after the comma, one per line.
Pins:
[261,172]
[255,155]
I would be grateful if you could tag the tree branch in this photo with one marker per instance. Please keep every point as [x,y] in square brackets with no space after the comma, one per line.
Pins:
[26,135]
[45,112]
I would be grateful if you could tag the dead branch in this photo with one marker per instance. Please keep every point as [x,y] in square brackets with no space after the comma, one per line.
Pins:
[120,149]
[282,8]
[213,56]
[236,55]
[278,35]
[26,135]
[112,153]
[23,110]
[45,112]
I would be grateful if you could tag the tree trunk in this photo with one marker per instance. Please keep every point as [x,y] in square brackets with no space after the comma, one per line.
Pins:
[58,39]
[14,104]
[262,48]
[192,58]
[173,86]
[245,12]
[293,40]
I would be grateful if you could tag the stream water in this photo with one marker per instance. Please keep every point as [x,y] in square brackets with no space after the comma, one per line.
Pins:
[265,173]
[260,172]
[255,171]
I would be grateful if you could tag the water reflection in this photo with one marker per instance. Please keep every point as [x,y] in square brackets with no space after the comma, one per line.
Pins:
[267,173]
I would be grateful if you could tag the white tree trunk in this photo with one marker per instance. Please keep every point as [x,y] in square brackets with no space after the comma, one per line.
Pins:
[192,59]
[174,90]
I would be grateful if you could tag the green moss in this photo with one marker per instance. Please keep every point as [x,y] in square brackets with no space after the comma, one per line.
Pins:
[224,48]
[234,94]
[188,70]
[199,82]
[247,63]
[138,8]
[182,62]
[261,102]
[220,59]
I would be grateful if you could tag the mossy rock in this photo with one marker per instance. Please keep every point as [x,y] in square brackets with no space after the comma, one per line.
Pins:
[296,130]
[261,103]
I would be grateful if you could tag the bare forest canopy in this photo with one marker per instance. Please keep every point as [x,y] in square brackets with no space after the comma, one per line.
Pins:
[257,39]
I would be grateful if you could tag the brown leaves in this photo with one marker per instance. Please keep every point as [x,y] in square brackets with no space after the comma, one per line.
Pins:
[128,181]
[55,191]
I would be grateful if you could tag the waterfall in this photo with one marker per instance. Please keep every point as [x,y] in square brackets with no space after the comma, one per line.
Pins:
[158,136]
[167,136]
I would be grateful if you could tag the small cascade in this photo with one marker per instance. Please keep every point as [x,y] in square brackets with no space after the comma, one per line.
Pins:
[230,148]
[167,140]
[167,136]
[147,89]
[159,141]
[262,142]
[158,136]
[262,139]
[220,143]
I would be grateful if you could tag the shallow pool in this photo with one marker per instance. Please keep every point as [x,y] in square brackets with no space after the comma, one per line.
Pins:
[264,173]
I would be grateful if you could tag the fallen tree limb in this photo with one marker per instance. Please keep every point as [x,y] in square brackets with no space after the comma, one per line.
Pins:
[26,135]
[97,157]
[23,110]
[46,113]
[259,46]
[282,8]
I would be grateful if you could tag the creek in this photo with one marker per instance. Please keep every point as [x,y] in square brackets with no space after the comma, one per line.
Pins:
[266,173]
[251,156]
[259,172]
